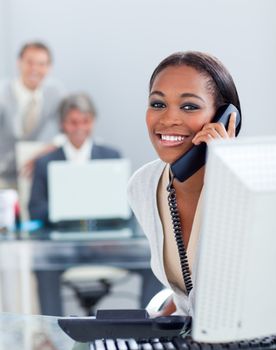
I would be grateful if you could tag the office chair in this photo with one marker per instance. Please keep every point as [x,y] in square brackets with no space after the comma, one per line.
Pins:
[91,283]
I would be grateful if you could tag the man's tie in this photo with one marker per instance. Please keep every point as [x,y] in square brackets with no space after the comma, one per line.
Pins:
[30,117]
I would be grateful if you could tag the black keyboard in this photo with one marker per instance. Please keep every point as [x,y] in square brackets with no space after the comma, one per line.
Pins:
[180,343]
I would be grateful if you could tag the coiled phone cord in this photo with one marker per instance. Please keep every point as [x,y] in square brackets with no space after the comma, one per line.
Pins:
[178,236]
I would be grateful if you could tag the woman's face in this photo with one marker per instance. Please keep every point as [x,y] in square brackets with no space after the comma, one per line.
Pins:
[180,104]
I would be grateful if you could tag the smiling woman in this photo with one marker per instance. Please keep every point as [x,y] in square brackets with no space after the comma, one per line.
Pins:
[186,90]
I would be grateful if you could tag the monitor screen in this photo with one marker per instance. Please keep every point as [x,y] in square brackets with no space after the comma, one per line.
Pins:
[235,287]
[93,190]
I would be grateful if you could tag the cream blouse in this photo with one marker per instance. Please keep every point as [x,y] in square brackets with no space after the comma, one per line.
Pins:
[171,257]
[148,199]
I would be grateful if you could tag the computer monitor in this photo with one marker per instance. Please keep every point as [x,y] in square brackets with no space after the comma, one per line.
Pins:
[235,288]
[93,190]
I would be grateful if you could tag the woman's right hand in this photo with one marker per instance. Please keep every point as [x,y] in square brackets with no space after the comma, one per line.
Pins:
[212,131]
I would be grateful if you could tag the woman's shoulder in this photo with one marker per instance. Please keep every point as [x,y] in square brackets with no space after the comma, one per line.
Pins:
[142,189]
[146,176]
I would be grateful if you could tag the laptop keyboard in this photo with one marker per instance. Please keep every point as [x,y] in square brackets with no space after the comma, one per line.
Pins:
[180,343]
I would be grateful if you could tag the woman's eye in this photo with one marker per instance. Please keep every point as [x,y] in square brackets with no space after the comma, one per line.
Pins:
[157,105]
[189,107]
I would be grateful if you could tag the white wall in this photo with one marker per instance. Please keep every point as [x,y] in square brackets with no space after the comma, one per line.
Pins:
[4,37]
[110,47]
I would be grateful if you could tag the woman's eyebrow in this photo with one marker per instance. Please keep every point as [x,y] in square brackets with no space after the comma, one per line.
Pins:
[156,92]
[188,94]
[185,94]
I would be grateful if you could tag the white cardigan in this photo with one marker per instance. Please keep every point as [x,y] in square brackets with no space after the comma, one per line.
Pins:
[142,194]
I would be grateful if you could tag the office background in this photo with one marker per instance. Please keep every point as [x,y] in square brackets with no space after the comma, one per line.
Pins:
[109,49]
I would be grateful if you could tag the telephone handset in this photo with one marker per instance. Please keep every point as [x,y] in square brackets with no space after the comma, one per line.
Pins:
[182,169]
[195,158]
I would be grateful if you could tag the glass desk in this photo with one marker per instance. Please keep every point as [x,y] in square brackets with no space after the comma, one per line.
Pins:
[24,253]
[31,332]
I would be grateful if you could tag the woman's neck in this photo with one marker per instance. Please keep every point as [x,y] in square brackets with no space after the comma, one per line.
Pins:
[192,185]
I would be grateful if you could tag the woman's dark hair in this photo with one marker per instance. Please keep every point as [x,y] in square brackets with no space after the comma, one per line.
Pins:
[220,84]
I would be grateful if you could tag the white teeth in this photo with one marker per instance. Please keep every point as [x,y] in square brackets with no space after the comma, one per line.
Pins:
[172,138]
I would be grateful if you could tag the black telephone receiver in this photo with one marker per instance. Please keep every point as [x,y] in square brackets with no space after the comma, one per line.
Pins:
[195,158]
[182,169]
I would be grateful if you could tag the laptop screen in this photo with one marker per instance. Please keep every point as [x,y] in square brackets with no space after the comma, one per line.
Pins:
[93,190]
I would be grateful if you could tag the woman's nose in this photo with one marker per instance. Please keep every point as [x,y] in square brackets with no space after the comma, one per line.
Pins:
[172,116]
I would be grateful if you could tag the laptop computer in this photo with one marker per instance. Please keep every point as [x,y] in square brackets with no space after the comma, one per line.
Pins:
[92,190]
[235,286]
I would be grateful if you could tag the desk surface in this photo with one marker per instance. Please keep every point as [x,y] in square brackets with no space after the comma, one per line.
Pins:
[30,332]
[60,250]
[21,254]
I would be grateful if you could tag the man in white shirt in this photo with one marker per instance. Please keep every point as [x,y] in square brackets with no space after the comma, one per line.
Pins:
[77,119]
[28,107]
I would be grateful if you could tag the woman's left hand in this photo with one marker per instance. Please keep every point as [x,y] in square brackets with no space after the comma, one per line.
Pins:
[213,131]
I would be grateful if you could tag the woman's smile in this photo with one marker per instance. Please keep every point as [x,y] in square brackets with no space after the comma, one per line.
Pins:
[172,140]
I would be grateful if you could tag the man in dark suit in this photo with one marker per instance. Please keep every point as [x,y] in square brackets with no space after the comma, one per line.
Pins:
[77,117]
